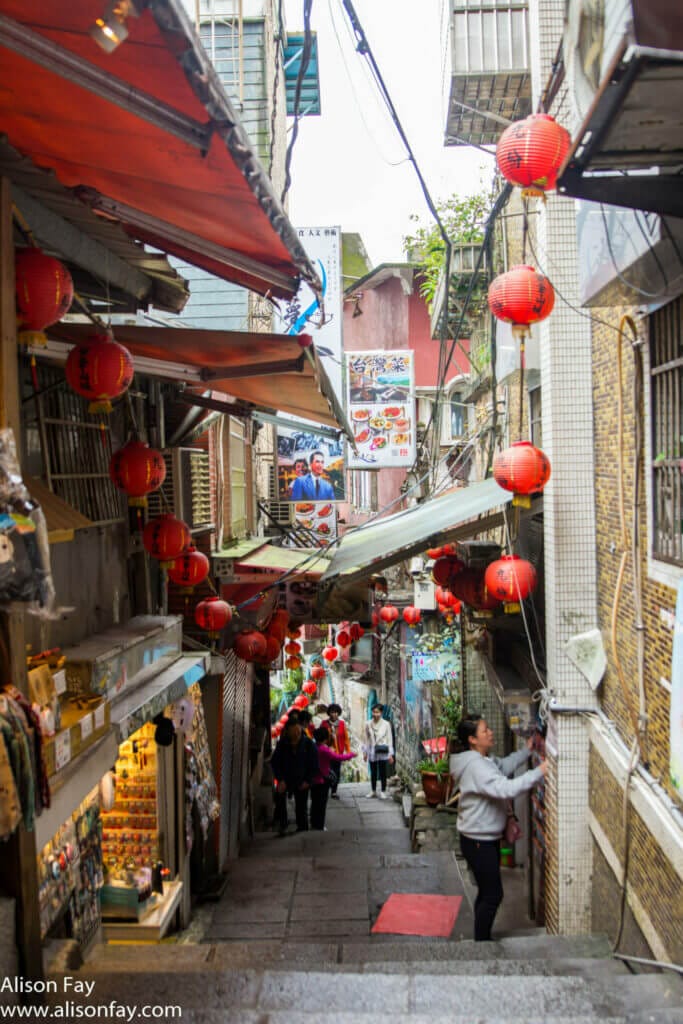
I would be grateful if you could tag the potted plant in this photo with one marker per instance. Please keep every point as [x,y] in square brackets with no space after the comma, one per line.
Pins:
[449,717]
[435,780]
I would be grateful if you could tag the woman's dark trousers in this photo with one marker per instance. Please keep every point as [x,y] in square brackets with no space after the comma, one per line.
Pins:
[378,769]
[301,809]
[483,857]
[319,805]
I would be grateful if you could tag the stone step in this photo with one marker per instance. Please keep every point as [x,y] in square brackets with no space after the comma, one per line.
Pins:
[477,995]
[380,950]
[285,1017]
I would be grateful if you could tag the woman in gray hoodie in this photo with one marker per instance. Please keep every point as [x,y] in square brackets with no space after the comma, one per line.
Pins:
[485,792]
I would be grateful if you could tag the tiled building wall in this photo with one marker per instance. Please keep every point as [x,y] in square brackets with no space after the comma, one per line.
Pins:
[657,599]
[569,510]
[654,884]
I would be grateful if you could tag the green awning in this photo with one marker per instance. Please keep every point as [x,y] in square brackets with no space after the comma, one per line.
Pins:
[270,556]
[455,516]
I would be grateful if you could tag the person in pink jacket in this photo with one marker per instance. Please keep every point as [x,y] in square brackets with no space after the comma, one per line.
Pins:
[320,787]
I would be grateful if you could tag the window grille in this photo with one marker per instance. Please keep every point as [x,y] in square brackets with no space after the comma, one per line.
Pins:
[535,416]
[187,488]
[361,490]
[74,448]
[666,368]
[222,34]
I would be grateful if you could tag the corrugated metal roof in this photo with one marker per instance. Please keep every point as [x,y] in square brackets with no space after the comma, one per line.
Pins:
[395,538]
[272,557]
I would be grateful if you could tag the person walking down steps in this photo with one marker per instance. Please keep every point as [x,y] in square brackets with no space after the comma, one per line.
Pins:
[328,759]
[378,751]
[485,795]
[295,767]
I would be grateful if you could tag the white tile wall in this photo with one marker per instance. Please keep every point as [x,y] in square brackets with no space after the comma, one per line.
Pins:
[570,563]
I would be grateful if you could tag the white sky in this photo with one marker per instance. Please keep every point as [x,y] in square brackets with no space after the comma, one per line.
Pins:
[342,169]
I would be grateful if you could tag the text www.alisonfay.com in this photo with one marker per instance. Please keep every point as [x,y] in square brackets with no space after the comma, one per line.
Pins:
[74,1008]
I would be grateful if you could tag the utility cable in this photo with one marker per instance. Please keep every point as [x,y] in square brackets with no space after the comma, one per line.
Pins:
[303,67]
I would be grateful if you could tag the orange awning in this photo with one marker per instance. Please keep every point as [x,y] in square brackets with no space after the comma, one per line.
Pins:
[270,371]
[146,135]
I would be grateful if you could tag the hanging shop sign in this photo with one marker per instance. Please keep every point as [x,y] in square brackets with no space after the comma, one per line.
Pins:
[310,471]
[381,408]
[319,518]
[303,314]
[442,666]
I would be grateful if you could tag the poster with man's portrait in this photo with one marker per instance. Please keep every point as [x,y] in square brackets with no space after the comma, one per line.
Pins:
[310,467]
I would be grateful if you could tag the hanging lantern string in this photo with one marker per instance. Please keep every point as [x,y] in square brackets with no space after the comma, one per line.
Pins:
[131,414]
[522,367]
[23,226]
[525,226]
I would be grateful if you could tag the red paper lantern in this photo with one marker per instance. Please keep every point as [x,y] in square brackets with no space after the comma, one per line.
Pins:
[521,468]
[470,587]
[444,597]
[356,631]
[99,369]
[329,654]
[318,672]
[138,470]
[521,297]
[434,553]
[510,580]
[411,615]
[292,662]
[445,568]
[456,606]
[212,615]
[44,289]
[250,645]
[301,702]
[294,633]
[272,649]
[189,569]
[531,152]
[389,613]
[309,687]
[343,638]
[449,549]
[292,648]
[165,538]
[283,719]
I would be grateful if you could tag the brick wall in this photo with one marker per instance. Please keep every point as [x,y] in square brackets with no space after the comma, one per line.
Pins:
[654,884]
[656,597]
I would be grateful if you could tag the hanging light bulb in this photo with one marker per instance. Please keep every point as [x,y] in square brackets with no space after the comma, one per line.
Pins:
[111,30]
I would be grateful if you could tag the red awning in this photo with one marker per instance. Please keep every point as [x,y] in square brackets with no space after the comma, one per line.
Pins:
[147,135]
[270,371]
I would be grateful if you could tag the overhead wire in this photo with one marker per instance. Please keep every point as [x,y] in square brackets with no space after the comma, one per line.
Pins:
[304,61]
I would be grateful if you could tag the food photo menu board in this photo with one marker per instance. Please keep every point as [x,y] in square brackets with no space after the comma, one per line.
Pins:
[319,518]
[380,390]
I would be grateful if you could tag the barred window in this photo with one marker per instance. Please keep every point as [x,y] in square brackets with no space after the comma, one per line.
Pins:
[666,367]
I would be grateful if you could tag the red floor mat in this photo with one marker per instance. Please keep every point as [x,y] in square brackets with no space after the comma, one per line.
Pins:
[417,914]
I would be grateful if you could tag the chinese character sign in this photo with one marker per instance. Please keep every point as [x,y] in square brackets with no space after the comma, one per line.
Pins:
[302,315]
[381,408]
[310,467]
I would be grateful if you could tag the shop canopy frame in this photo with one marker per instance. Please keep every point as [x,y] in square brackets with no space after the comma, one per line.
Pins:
[629,149]
[265,371]
[458,515]
[155,143]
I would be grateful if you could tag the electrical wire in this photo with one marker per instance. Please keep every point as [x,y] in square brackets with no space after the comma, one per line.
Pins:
[303,67]
[619,274]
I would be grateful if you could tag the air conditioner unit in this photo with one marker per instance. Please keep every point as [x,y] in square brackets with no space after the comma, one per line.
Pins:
[186,491]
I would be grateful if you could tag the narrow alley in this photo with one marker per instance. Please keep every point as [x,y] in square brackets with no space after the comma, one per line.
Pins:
[291,937]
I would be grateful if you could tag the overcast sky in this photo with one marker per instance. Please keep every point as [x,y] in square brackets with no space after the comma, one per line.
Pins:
[347,165]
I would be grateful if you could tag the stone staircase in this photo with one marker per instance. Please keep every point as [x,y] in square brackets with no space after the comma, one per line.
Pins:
[535,979]
[291,943]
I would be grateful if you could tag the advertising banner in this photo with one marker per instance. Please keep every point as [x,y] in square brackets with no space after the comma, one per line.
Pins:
[319,518]
[310,467]
[302,314]
[381,408]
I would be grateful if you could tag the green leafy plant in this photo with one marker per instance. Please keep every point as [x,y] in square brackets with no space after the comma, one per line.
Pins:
[450,715]
[463,218]
[427,765]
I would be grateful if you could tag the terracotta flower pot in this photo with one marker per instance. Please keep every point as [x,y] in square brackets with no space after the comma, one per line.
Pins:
[435,787]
